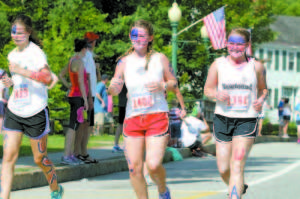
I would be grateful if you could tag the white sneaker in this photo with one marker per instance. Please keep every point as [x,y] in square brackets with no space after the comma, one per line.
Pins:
[285,136]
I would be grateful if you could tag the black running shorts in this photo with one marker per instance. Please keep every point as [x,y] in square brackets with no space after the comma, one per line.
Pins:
[75,104]
[225,128]
[35,127]
[122,111]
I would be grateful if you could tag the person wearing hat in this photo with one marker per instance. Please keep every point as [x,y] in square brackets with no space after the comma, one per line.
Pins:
[100,105]
[195,132]
[92,68]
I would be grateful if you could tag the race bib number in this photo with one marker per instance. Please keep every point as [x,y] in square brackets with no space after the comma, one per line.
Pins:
[21,94]
[238,101]
[142,102]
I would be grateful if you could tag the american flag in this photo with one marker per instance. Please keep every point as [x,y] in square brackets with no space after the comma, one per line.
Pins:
[249,49]
[215,25]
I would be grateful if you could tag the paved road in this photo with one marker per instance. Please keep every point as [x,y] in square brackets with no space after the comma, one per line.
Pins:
[272,172]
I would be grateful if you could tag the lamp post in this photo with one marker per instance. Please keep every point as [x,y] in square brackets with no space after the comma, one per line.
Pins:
[174,16]
[205,38]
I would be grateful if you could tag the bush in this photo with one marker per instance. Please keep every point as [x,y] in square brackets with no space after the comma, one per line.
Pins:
[273,129]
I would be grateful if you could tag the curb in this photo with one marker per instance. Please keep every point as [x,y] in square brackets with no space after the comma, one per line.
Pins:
[70,173]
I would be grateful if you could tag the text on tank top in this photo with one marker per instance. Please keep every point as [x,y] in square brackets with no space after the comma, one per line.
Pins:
[241,85]
[140,100]
[75,89]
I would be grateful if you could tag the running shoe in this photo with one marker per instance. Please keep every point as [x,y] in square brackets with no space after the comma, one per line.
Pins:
[166,195]
[68,160]
[58,194]
[73,157]
[117,149]
[285,136]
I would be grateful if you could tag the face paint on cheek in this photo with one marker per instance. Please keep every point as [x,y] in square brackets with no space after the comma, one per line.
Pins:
[14,30]
[134,34]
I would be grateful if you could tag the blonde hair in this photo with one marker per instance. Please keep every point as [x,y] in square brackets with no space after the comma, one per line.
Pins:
[149,27]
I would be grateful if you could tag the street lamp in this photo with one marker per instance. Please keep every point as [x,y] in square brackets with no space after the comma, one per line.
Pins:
[174,16]
[205,38]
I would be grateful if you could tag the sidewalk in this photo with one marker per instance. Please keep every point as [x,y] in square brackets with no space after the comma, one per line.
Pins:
[28,175]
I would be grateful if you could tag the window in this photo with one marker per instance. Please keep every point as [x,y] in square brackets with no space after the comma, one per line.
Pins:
[284,60]
[261,54]
[277,60]
[270,56]
[291,61]
[287,92]
[276,98]
[298,62]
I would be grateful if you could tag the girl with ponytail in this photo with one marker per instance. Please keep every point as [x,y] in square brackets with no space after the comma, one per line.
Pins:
[147,76]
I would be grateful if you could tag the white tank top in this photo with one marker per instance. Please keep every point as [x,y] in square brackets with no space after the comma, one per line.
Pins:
[241,85]
[29,97]
[140,100]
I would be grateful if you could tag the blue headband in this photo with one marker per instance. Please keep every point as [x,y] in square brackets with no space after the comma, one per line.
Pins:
[236,39]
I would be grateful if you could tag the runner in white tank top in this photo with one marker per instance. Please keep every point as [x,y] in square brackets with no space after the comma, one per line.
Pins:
[27,111]
[239,86]
[147,75]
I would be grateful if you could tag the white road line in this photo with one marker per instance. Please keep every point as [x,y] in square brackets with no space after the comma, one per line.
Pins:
[274,175]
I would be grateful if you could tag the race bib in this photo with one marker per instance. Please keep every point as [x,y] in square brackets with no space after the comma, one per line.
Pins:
[142,102]
[238,101]
[21,94]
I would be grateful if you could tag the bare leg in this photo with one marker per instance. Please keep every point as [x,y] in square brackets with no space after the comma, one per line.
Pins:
[118,134]
[11,146]
[285,128]
[155,150]
[69,142]
[241,147]
[79,138]
[39,150]
[134,152]
[223,150]
[298,131]
[260,127]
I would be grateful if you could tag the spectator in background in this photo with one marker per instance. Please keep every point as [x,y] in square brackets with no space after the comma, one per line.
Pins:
[297,112]
[262,116]
[122,109]
[280,116]
[100,105]
[175,123]
[286,117]
[109,115]
[77,97]
[4,95]
[195,132]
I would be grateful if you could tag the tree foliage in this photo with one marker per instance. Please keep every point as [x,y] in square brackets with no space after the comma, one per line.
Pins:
[59,22]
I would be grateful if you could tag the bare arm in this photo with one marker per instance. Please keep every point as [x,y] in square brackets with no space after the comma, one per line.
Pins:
[54,80]
[180,98]
[206,130]
[117,81]
[261,73]
[43,75]
[210,88]
[62,75]
[170,79]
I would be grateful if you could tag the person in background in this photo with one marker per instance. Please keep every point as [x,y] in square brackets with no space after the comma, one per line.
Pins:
[4,96]
[195,132]
[122,109]
[286,117]
[109,115]
[280,116]
[175,123]
[100,105]
[77,97]
[262,116]
[297,113]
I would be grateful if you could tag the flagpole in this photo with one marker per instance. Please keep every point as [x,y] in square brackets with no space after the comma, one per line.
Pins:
[185,29]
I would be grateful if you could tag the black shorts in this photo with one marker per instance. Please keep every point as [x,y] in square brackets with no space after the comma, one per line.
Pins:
[75,104]
[175,130]
[287,117]
[122,111]
[35,127]
[225,128]
[91,115]
[2,108]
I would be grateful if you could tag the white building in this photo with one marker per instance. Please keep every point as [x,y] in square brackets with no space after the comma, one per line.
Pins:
[283,69]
